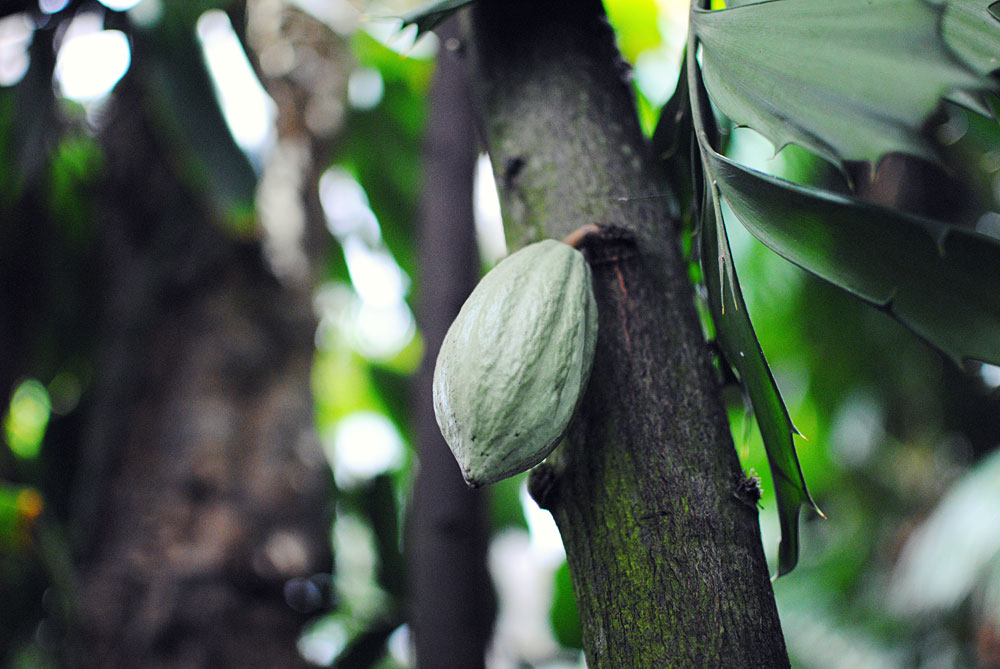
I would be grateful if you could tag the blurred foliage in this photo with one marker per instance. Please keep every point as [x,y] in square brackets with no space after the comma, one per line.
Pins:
[901,450]
[180,96]
[382,146]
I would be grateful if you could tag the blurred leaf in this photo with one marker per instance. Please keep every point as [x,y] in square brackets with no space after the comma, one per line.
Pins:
[73,175]
[636,24]
[181,98]
[738,341]
[381,145]
[413,73]
[972,162]
[378,504]
[973,32]
[945,557]
[26,419]
[506,510]
[819,636]
[565,616]
[430,16]
[941,282]
[368,647]
[342,384]
[394,390]
[989,601]
[20,508]
[850,84]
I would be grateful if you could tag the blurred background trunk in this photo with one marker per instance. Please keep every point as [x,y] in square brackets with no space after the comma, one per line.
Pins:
[201,491]
[452,604]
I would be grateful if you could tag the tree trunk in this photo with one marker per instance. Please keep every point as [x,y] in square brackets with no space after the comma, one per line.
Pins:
[451,600]
[201,493]
[666,561]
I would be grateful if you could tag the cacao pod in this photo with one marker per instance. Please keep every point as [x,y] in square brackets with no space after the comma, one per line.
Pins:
[514,364]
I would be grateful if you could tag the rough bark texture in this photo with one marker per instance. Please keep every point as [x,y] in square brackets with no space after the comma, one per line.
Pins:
[667,563]
[201,491]
[451,600]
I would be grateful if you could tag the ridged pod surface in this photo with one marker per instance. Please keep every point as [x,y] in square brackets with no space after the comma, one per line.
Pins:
[514,364]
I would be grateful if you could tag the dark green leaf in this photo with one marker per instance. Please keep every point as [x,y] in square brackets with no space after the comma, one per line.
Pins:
[672,141]
[429,16]
[941,282]
[973,32]
[736,337]
[850,84]
[674,125]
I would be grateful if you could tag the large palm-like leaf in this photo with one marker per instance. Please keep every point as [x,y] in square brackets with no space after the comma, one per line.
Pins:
[850,84]
[941,282]
[973,31]
[850,81]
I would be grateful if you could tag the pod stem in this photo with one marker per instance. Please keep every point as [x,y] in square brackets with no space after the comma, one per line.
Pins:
[580,236]
[602,243]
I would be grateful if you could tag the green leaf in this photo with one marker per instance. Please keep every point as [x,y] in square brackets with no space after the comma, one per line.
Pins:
[673,130]
[736,337]
[973,32]
[673,139]
[379,507]
[940,281]
[564,616]
[636,26]
[431,15]
[850,84]
[506,511]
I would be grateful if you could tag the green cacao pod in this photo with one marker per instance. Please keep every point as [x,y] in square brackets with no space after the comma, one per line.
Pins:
[515,363]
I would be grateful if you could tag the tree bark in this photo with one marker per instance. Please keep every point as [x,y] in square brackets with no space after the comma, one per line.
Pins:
[201,494]
[666,561]
[451,599]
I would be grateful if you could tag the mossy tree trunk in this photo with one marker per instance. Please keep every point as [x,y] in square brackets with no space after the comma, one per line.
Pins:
[667,562]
